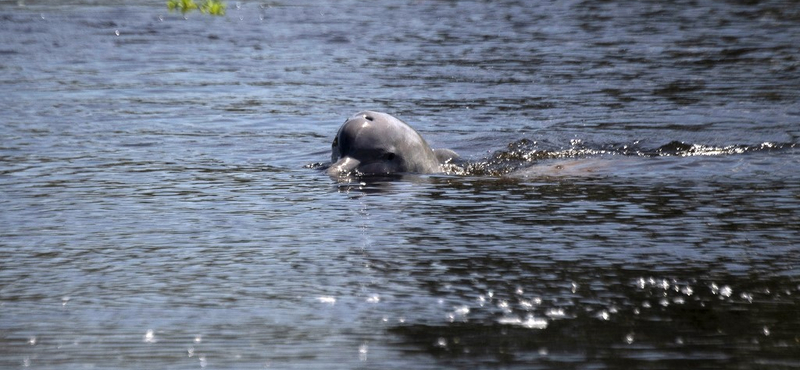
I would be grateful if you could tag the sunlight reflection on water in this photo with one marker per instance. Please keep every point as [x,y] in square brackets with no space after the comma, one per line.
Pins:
[628,196]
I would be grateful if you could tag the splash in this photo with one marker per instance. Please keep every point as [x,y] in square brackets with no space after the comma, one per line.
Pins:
[525,153]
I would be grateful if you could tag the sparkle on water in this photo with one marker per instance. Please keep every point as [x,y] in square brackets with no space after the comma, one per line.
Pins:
[627,195]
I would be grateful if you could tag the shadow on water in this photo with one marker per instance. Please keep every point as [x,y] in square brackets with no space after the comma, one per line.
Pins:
[627,322]
[591,297]
[615,271]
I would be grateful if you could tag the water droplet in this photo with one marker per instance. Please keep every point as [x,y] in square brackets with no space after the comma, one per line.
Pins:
[116,32]
[32,341]
[441,342]
[374,299]
[555,313]
[534,323]
[725,291]
[629,338]
[509,320]
[530,322]
[327,299]
[603,315]
[149,336]
[463,310]
[543,351]
[362,351]
[766,331]
[198,338]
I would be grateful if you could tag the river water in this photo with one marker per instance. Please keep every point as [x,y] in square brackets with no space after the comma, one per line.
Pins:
[628,196]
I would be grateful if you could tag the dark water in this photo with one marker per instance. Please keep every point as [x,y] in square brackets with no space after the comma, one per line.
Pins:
[630,196]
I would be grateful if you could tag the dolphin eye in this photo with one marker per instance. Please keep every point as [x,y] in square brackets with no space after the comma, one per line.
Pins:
[389,156]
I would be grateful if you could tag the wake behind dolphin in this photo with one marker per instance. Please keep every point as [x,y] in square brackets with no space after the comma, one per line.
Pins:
[374,143]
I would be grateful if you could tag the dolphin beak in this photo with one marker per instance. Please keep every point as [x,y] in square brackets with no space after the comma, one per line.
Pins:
[343,166]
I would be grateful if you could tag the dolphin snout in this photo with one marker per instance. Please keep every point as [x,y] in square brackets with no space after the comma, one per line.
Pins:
[343,166]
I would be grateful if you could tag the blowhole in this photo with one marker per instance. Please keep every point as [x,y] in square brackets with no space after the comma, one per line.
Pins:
[369,118]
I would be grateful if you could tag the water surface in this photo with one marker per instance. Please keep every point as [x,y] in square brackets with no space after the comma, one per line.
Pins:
[629,196]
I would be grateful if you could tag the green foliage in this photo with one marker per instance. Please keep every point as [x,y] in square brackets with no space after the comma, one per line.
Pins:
[183,5]
[212,7]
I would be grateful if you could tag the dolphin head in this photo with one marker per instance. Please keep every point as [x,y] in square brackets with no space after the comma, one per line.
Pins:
[378,143]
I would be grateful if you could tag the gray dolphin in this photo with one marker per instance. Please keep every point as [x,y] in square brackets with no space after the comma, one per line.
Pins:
[378,143]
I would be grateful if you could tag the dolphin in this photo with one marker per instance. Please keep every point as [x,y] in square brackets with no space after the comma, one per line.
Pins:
[375,143]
